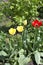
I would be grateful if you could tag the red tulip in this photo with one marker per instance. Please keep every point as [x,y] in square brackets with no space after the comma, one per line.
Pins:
[40,23]
[36,23]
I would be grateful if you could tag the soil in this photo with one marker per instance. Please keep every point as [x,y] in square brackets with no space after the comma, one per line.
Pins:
[31,63]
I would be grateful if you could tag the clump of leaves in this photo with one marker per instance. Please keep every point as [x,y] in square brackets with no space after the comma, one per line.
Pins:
[18,49]
[19,10]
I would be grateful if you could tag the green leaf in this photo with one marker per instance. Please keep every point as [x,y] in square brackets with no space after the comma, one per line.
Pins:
[37,57]
[15,63]
[7,63]
[41,53]
[11,7]
[1,13]
[23,60]
[3,53]
[21,51]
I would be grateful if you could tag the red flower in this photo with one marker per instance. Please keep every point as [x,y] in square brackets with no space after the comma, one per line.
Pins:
[36,23]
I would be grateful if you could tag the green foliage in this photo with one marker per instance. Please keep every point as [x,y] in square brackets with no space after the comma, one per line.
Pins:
[38,58]
[18,49]
[19,10]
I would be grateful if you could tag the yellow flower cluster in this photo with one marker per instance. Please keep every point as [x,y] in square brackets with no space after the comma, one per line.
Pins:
[12,31]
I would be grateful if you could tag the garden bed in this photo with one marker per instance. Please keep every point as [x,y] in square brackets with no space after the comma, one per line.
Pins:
[21,32]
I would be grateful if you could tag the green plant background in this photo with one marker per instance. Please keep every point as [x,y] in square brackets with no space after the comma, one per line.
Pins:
[18,49]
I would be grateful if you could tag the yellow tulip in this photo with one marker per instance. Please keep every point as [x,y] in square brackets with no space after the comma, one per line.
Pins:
[20,28]
[25,22]
[12,31]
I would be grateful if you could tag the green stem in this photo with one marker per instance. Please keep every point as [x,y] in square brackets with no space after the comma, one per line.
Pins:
[31,53]
[35,37]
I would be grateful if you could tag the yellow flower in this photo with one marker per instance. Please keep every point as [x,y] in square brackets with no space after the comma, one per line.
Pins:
[20,28]
[12,31]
[25,22]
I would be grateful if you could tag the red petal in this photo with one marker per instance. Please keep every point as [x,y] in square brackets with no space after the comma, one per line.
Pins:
[36,21]
[36,25]
[40,23]
[33,23]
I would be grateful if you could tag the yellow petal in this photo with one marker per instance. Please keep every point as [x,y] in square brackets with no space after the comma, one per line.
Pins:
[12,31]
[25,22]
[20,28]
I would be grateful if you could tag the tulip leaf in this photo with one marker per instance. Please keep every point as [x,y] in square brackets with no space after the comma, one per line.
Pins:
[7,63]
[37,57]
[3,53]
